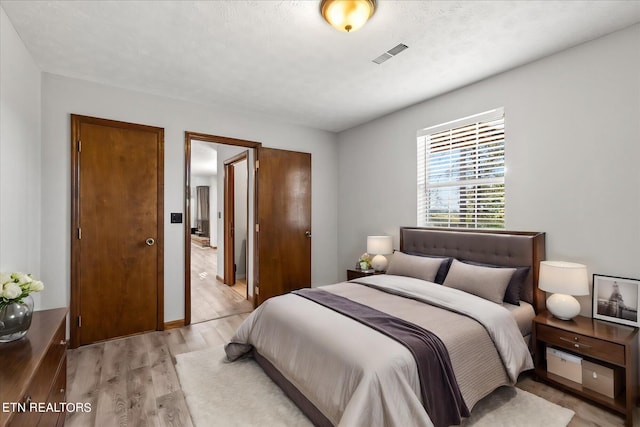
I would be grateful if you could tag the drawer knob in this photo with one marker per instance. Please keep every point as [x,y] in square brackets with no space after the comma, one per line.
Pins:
[27,400]
[61,391]
[595,375]
[575,344]
[63,342]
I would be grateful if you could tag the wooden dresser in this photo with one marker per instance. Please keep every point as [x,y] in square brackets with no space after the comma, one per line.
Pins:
[34,372]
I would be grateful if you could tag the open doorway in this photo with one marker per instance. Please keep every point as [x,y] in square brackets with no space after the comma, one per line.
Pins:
[210,294]
[235,227]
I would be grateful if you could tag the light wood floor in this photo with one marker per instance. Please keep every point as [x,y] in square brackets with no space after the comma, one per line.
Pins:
[133,381]
[241,287]
[211,299]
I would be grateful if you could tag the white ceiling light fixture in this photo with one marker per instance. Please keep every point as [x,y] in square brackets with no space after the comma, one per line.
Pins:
[347,15]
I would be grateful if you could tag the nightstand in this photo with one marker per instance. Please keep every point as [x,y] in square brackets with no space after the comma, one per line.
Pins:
[356,274]
[606,344]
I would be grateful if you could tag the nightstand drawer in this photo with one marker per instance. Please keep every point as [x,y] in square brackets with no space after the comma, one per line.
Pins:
[600,349]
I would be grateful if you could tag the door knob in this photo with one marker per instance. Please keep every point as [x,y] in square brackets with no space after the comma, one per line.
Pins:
[307,233]
[150,241]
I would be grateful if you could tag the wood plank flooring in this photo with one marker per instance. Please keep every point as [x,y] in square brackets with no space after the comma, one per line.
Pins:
[133,381]
[211,299]
[241,287]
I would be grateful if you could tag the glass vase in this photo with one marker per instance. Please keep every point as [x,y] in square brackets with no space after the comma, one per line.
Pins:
[15,319]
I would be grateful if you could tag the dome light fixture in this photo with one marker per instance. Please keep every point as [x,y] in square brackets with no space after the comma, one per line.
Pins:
[347,15]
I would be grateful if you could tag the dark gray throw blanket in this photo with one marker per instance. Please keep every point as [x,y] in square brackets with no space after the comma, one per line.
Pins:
[440,393]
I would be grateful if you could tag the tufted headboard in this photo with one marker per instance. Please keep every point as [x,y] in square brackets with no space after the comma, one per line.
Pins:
[505,248]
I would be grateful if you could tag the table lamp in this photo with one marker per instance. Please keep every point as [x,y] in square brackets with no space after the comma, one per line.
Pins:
[564,279]
[380,246]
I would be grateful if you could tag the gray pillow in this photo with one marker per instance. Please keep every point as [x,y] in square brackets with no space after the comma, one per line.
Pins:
[486,282]
[444,266]
[512,294]
[419,267]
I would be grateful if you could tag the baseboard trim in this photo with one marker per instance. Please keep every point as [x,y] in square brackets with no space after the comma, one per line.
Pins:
[174,324]
[219,279]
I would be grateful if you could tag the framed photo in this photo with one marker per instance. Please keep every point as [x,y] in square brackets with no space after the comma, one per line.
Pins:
[616,299]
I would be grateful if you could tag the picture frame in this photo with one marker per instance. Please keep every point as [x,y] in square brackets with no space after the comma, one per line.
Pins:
[616,299]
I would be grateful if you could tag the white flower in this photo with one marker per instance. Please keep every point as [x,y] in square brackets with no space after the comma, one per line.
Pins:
[11,291]
[22,278]
[15,286]
[36,286]
[5,278]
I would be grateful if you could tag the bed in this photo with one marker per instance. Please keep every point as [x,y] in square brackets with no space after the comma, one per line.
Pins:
[331,350]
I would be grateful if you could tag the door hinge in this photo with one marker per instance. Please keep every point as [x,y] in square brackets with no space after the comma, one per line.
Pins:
[79,233]
[79,146]
[257,228]
[79,321]
[257,164]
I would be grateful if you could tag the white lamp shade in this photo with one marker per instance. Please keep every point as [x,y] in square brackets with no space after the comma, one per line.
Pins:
[562,277]
[379,245]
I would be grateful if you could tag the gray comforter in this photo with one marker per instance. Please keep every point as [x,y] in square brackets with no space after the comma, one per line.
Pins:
[358,377]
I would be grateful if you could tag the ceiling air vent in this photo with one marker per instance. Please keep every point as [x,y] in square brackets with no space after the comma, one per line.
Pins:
[380,59]
[390,53]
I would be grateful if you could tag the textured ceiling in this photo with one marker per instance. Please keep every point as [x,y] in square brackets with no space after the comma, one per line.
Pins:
[282,60]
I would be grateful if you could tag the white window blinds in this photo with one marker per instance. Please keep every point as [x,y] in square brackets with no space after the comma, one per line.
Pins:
[461,173]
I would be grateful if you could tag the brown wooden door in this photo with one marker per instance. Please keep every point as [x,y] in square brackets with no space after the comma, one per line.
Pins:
[117,267]
[283,187]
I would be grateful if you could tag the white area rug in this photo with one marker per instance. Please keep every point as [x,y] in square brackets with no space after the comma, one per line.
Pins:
[219,393]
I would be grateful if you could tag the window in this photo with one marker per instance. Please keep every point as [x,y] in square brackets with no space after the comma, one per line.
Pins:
[461,173]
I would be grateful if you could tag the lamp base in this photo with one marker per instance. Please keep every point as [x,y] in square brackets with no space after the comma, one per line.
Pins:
[564,307]
[379,263]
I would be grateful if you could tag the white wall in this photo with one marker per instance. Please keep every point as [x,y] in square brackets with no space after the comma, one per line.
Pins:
[20,124]
[572,151]
[241,182]
[213,210]
[62,96]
